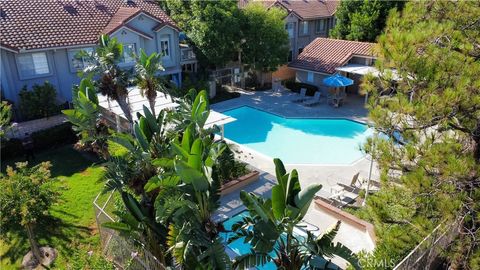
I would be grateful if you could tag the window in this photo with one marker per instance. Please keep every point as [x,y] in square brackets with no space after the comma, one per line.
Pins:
[289,28]
[128,52]
[33,64]
[304,28]
[309,76]
[290,56]
[78,61]
[165,48]
[321,26]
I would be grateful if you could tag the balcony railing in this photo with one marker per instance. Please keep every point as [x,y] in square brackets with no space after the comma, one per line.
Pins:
[187,54]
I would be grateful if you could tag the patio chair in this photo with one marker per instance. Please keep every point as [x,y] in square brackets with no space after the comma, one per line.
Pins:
[313,101]
[303,96]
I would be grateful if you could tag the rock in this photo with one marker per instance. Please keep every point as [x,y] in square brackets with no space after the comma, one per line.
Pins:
[49,255]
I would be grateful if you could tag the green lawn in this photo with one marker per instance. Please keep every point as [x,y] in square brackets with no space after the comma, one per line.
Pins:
[72,229]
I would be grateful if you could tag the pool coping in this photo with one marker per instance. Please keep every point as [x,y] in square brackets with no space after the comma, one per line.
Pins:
[298,164]
[296,117]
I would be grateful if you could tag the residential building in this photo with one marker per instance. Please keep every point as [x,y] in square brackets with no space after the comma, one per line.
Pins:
[41,38]
[306,20]
[325,57]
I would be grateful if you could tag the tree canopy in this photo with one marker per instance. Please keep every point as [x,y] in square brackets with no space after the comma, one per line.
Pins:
[219,30]
[362,20]
[266,42]
[212,27]
[431,113]
[26,197]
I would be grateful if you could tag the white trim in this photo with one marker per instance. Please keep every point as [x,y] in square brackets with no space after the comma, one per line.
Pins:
[313,71]
[57,48]
[143,13]
[167,25]
[8,49]
[131,30]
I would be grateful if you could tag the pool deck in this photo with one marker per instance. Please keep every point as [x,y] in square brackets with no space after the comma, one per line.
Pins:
[278,102]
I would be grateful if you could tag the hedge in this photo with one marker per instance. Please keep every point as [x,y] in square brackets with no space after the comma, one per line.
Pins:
[296,86]
[43,139]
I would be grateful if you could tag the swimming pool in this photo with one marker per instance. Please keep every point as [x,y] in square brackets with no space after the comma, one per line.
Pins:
[241,248]
[238,246]
[297,140]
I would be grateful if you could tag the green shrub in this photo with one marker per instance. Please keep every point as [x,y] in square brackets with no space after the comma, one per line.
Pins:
[40,102]
[296,86]
[228,168]
[54,136]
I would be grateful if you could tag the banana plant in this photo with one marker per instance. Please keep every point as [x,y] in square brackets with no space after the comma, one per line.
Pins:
[86,121]
[270,225]
[194,238]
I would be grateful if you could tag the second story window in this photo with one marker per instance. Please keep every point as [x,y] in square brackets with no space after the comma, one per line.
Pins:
[32,65]
[165,48]
[128,51]
[304,27]
[321,26]
[289,28]
[78,60]
[309,77]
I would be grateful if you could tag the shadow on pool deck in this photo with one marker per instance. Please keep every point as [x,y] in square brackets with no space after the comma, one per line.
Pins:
[231,203]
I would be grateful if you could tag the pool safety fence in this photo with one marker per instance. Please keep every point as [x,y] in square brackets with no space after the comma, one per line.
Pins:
[426,254]
[123,252]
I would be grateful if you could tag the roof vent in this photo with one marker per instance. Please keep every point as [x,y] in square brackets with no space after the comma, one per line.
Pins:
[130,2]
[3,14]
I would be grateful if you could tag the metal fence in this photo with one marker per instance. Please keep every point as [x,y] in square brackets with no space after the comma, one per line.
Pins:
[424,255]
[123,252]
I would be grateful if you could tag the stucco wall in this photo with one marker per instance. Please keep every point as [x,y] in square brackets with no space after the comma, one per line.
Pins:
[63,77]
[301,76]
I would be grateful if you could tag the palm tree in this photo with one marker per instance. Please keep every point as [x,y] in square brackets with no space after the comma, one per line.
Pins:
[113,80]
[147,80]
[270,225]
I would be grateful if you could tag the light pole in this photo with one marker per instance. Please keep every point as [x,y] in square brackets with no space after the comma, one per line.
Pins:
[370,170]
[242,76]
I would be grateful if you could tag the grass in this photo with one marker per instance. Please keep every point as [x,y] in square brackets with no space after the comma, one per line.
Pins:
[71,228]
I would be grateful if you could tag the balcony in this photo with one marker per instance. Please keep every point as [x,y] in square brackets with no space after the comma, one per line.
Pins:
[186,54]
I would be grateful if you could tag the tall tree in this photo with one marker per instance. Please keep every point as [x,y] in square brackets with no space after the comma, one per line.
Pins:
[362,20]
[212,27]
[430,109]
[26,197]
[147,78]
[266,42]
[113,80]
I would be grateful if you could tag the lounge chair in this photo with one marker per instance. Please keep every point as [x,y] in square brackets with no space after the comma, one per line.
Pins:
[313,101]
[303,96]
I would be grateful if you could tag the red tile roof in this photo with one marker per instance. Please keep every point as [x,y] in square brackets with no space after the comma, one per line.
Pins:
[326,54]
[36,24]
[305,9]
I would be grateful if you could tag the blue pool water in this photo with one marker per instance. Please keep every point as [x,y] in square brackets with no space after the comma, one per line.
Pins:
[238,246]
[297,140]
[241,248]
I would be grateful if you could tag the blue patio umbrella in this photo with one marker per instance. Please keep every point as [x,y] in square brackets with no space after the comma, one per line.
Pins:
[337,80]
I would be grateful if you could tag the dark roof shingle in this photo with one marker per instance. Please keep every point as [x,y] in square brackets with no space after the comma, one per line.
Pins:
[37,24]
[326,54]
